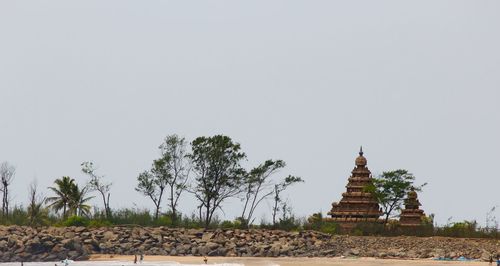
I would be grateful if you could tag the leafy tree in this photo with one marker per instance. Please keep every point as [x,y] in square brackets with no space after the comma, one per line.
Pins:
[391,188]
[278,188]
[258,187]
[63,190]
[168,172]
[175,167]
[153,186]
[7,172]
[96,183]
[218,174]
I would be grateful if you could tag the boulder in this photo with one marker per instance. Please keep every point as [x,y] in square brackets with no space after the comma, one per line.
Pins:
[109,236]
[207,236]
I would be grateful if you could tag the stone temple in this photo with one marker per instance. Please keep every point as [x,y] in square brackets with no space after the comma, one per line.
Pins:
[356,204]
[411,215]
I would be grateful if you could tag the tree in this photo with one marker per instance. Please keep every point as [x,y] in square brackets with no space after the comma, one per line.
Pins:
[278,188]
[258,187]
[96,183]
[170,172]
[491,221]
[37,214]
[218,174]
[153,186]
[69,197]
[7,172]
[63,190]
[175,167]
[78,200]
[391,188]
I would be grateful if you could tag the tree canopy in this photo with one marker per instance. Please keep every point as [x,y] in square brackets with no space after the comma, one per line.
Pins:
[257,187]
[218,173]
[69,197]
[391,188]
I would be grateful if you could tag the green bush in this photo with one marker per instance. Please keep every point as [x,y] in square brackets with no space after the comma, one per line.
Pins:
[132,217]
[288,224]
[99,223]
[236,224]
[317,223]
[18,215]
[164,220]
[329,228]
[461,229]
[76,221]
[370,229]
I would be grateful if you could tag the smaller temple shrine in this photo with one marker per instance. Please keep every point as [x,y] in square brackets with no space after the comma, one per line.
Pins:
[411,215]
[357,205]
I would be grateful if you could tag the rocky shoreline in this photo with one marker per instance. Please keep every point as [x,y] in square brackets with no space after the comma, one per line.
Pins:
[19,243]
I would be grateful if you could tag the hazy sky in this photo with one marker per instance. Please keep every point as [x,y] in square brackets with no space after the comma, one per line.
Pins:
[417,83]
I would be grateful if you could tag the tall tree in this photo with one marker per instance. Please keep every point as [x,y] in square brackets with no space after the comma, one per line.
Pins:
[63,189]
[7,172]
[97,183]
[170,172]
[257,187]
[391,188]
[175,167]
[278,188]
[218,174]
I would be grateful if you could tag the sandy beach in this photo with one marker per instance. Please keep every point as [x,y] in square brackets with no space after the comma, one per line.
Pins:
[286,261]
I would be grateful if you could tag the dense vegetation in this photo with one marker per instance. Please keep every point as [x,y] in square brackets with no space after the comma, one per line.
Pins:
[209,168]
[133,217]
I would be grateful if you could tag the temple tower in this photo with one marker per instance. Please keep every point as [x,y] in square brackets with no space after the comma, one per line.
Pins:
[411,215]
[356,204]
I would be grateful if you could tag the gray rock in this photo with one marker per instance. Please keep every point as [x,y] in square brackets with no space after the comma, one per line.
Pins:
[3,245]
[108,235]
[207,236]
[212,245]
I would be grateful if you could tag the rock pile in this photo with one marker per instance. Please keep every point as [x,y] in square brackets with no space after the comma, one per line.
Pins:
[77,243]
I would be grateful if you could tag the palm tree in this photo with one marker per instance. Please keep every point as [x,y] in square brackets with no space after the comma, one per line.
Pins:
[78,200]
[37,213]
[63,190]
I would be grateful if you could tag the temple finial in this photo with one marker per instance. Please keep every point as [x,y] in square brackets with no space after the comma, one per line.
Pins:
[361,151]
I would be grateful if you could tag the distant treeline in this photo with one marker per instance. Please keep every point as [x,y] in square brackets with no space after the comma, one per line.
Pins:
[209,168]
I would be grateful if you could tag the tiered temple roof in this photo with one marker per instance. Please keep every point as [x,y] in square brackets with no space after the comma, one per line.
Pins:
[411,215]
[357,205]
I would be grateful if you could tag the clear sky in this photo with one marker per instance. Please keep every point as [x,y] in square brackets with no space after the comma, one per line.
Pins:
[417,83]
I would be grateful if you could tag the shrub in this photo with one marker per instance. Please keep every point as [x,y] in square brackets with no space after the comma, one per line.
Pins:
[17,216]
[289,224]
[132,216]
[461,229]
[99,223]
[369,229]
[329,228]
[236,224]
[189,222]
[76,221]
[164,220]
[317,223]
